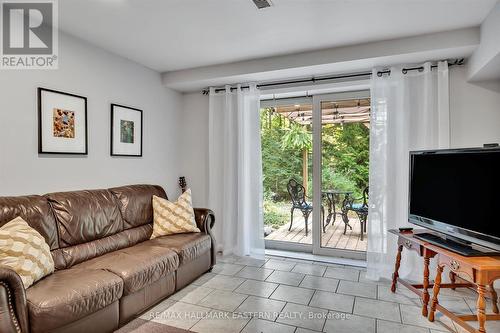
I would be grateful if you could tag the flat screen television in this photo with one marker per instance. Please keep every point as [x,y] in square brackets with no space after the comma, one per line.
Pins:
[456,192]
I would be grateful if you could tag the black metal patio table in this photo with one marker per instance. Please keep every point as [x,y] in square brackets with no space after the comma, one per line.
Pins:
[333,197]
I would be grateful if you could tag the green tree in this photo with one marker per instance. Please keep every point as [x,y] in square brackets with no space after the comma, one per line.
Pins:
[298,137]
[279,163]
[345,154]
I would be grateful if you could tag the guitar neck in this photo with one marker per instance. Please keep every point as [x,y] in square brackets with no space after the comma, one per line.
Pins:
[183,184]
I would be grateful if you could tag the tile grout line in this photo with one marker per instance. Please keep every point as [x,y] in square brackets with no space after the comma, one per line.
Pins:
[315,291]
[324,324]
[302,280]
[269,297]
[239,285]
[248,322]
[209,310]
[467,303]
[211,292]
[243,328]
[324,272]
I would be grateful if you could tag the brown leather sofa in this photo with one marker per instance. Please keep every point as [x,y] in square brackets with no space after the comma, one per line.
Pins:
[107,269]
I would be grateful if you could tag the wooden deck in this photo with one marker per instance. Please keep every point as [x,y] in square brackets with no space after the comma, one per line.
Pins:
[333,237]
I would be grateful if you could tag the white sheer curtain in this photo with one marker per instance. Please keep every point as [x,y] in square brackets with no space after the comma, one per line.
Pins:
[409,112]
[235,170]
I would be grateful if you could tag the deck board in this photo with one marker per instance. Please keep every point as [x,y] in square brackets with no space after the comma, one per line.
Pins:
[333,237]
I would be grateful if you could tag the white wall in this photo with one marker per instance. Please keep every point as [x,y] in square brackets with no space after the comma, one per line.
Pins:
[194,164]
[474,110]
[103,78]
[484,64]
[194,146]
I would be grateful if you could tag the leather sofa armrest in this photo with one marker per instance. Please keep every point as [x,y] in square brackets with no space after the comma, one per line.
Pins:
[13,308]
[205,220]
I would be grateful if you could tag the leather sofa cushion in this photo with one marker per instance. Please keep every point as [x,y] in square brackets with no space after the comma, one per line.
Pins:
[69,256]
[187,246]
[83,216]
[69,295]
[136,203]
[35,210]
[138,266]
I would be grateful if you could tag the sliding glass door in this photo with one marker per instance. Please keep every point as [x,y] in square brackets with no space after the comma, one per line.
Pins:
[341,131]
[287,169]
[315,163]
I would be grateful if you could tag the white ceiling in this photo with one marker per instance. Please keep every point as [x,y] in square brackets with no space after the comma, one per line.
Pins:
[168,35]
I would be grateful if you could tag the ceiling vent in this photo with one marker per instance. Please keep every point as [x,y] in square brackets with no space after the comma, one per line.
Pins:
[261,4]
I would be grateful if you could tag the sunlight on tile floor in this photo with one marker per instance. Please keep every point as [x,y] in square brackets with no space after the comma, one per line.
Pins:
[286,295]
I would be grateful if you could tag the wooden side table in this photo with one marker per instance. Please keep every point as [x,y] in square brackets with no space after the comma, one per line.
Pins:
[481,271]
[406,240]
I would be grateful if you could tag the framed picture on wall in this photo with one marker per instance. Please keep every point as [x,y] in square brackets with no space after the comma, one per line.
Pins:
[62,123]
[126,131]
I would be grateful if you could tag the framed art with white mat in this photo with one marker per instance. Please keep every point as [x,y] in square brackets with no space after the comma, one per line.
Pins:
[126,131]
[62,123]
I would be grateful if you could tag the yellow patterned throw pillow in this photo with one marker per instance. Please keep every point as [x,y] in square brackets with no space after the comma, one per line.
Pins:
[173,217]
[25,251]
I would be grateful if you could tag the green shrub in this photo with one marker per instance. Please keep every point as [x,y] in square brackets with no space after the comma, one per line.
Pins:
[340,182]
[275,213]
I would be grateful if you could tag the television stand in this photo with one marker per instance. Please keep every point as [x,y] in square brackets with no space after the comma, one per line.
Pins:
[477,273]
[456,246]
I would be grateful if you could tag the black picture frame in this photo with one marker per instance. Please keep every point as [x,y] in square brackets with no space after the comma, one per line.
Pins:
[40,122]
[112,150]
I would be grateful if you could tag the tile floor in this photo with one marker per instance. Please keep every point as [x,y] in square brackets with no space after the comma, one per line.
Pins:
[296,296]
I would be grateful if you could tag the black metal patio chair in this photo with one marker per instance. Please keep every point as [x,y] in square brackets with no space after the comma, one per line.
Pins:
[298,197]
[360,208]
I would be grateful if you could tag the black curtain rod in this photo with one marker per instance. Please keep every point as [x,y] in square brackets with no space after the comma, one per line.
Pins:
[313,80]
[456,62]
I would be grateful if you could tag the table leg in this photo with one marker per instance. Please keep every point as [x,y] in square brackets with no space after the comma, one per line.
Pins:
[344,210]
[425,296]
[323,218]
[494,298]
[481,305]
[452,278]
[395,275]
[362,225]
[435,292]
[330,204]
[334,212]
[346,221]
